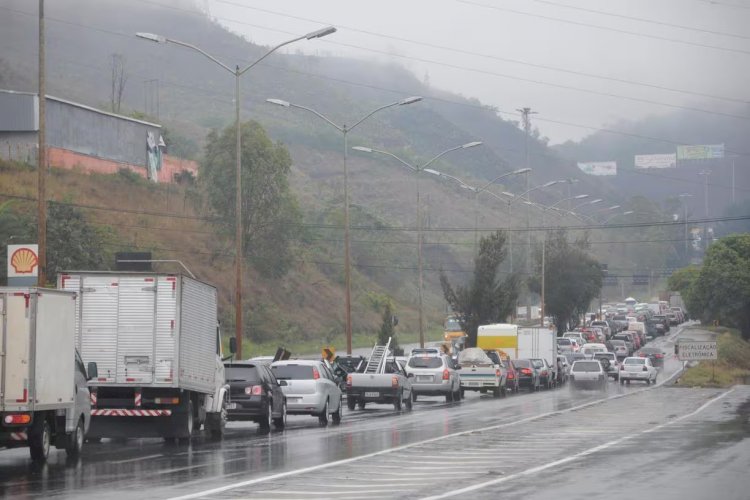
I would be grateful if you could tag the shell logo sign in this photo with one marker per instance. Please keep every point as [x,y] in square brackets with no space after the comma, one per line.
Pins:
[23,261]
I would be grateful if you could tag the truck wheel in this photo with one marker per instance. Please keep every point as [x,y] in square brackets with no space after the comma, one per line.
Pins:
[280,422]
[187,427]
[361,404]
[397,403]
[408,403]
[503,391]
[265,422]
[496,392]
[351,403]
[323,417]
[74,442]
[39,440]
[219,424]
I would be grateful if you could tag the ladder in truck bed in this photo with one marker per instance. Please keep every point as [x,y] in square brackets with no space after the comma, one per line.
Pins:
[376,363]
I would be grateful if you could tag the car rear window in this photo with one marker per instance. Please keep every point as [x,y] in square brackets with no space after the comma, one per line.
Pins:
[635,361]
[537,363]
[241,374]
[608,355]
[425,362]
[522,363]
[563,341]
[293,372]
[586,366]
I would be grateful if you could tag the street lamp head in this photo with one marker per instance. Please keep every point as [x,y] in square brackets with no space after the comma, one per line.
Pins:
[410,100]
[551,183]
[580,196]
[594,202]
[362,148]
[508,194]
[471,144]
[628,212]
[521,171]
[321,33]
[151,37]
[614,207]
[429,171]
[278,102]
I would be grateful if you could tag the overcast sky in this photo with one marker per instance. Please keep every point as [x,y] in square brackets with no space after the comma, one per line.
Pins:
[491,50]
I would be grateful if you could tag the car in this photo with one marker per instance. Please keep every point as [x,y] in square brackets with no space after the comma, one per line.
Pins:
[663,320]
[628,339]
[578,336]
[563,370]
[310,389]
[619,348]
[255,394]
[528,376]
[672,317]
[434,374]
[606,330]
[573,357]
[588,374]
[608,361]
[564,345]
[655,354]
[546,372]
[636,368]
[480,372]
[511,380]
[621,321]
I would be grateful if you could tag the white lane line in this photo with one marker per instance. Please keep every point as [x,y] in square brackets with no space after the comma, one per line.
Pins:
[327,494]
[137,459]
[336,463]
[572,458]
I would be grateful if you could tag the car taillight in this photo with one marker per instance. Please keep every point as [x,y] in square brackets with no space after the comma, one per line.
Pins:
[497,372]
[642,355]
[254,390]
[446,374]
[394,381]
[511,375]
[349,381]
[316,373]
[622,366]
[645,368]
[526,371]
[17,418]
[659,356]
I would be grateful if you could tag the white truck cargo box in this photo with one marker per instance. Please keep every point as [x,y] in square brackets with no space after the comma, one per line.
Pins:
[537,343]
[146,329]
[36,336]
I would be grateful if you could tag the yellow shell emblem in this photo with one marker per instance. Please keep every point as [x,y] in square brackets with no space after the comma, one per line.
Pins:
[24,261]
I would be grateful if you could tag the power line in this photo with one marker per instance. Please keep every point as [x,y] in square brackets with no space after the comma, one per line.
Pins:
[489,56]
[604,28]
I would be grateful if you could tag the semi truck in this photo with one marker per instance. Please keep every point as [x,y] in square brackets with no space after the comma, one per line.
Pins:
[44,398]
[157,345]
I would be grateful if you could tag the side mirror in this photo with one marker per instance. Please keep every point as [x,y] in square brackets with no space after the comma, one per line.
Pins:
[233,345]
[92,372]
[282,383]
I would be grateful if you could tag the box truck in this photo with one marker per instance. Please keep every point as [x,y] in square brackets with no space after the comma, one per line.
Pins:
[157,345]
[44,398]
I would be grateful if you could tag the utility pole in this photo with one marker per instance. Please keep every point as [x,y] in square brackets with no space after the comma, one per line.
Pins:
[525,112]
[42,160]
[705,174]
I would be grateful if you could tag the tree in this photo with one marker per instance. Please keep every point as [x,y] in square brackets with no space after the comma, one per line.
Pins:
[572,278]
[486,299]
[722,290]
[270,215]
[388,328]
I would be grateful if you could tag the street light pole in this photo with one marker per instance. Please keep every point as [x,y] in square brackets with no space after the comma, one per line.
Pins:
[684,207]
[239,251]
[344,129]
[417,170]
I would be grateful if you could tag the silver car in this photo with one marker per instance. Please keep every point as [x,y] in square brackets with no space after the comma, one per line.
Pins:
[588,374]
[434,375]
[310,389]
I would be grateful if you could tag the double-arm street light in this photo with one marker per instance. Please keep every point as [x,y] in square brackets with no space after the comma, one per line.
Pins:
[417,170]
[345,129]
[237,72]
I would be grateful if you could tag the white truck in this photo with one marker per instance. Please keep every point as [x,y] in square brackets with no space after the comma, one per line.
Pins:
[539,343]
[44,398]
[157,345]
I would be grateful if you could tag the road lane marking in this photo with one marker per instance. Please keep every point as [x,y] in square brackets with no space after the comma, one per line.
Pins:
[572,458]
[137,459]
[304,470]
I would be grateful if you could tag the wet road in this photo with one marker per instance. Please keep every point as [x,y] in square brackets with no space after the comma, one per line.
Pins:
[435,449]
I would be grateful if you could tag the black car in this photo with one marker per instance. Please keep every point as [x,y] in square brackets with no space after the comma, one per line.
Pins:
[660,318]
[527,375]
[655,354]
[255,395]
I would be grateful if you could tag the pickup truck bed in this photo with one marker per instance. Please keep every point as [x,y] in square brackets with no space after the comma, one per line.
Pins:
[392,387]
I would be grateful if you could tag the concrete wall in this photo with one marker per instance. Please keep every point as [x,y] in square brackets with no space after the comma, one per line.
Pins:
[18,146]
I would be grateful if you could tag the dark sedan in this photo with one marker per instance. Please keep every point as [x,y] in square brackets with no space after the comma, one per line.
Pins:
[528,376]
[654,354]
[255,395]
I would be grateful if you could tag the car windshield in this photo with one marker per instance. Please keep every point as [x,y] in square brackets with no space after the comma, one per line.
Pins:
[293,372]
[236,373]
[586,366]
[635,361]
[425,362]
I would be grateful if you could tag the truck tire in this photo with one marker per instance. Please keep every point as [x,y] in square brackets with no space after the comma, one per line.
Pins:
[496,392]
[186,422]
[74,440]
[503,391]
[218,424]
[361,404]
[408,403]
[351,403]
[39,440]
[398,402]
[280,422]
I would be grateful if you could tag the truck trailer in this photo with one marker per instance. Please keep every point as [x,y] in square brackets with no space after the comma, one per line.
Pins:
[44,398]
[157,345]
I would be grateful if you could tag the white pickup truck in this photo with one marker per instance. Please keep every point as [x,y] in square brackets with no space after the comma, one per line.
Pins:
[479,373]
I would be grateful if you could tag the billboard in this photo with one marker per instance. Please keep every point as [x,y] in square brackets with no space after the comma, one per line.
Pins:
[598,167]
[23,265]
[700,152]
[656,161]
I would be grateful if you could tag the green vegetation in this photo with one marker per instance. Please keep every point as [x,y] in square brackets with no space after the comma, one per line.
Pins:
[732,367]
[720,290]
[486,299]
[572,278]
[388,328]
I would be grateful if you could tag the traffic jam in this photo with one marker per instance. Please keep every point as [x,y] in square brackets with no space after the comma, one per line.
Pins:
[125,355]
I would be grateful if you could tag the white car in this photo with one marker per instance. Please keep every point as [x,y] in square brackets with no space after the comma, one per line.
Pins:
[578,336]
[633,368]
[310,389]
[588,374]
[611,366]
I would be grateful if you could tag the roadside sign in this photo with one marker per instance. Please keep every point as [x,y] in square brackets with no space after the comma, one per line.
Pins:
[695,350]
[23,265]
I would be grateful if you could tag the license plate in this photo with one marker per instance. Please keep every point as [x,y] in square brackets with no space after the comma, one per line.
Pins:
[232,406]
[424,378]
[473,383]
[372,394]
